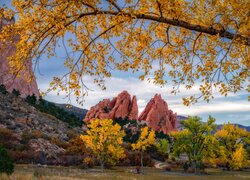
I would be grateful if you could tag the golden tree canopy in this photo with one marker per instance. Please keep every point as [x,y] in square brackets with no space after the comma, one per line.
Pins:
[105,140]
[203,41]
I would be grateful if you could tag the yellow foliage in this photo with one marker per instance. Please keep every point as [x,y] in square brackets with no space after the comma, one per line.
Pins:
[146,139]
[232,139]
[194,45]
[105,139]
[239,157]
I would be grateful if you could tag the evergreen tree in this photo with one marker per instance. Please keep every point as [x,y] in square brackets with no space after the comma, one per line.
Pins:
[6,164]
[3,89]
[16,92]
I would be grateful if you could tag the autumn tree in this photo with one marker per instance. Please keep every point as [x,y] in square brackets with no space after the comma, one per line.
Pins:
[186,41]
[195,140]
[105,140]
[163,147]
[233,140]
[146,139]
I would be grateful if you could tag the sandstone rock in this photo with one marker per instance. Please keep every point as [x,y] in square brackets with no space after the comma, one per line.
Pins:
[158,116]
[120,107]
[133,109]
[10,81]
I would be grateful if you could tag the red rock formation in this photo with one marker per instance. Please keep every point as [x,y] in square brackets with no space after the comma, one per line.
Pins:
[158,116]
[9,80]
[120,107]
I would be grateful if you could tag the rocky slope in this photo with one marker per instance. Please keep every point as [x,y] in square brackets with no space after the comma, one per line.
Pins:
[10,81]
[121,106]
[158,116]
[30,135]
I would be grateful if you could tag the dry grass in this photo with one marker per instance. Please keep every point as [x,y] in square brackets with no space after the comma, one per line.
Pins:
[29,172]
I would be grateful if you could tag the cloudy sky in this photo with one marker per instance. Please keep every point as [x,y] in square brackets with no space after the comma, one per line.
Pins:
[234,108]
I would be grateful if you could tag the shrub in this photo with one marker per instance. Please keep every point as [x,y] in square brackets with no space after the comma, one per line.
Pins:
[25,156]
[3,89]
[77,146]
[31,99]
[16,92]
[6,165]
[89,162]
[59,142]
[37,134]
[25,137]
[7,137]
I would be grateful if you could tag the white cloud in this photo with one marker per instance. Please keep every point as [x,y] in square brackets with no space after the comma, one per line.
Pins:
[214,107]
[145,91]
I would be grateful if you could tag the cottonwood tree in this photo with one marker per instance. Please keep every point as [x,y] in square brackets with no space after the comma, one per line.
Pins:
[146,139]
[105,140]
[234,141]
[179,41]
[195,140]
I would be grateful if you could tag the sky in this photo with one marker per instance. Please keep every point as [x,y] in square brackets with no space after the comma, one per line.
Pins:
[235,108]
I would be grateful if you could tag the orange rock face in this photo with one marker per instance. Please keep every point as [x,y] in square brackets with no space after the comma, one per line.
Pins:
[158,116]
[120,107]
[9,80]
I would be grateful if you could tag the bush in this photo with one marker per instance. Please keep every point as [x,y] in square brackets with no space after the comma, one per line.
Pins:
[23,157]
[16,92]
[3,89]
[7,137]
[31,99]
[26,136]
[6,165]
[59,142]
[77,147]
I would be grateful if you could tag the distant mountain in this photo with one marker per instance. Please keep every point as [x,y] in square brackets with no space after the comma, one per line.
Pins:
[219,126]
[79,112]
[239,125]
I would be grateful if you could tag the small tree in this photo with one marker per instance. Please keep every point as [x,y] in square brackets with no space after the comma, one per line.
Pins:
[31,99]
[146,139]
[105,140]
[6,165]
[16,92]
[195,140]
[232,140]
[3,89]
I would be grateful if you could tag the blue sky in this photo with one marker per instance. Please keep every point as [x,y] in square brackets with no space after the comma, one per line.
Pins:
[234,108]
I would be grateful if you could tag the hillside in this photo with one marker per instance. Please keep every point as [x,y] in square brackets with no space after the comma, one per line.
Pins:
[78,112]
[32,136]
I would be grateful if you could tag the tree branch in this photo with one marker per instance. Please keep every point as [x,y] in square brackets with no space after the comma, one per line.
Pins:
[114,4]
[176,22]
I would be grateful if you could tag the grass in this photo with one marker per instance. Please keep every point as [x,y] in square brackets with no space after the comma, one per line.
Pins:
[30,172]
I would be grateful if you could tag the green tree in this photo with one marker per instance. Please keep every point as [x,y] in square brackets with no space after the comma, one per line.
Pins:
[105,140]
[6,164]
[163,147]
[195,140]
[232,140]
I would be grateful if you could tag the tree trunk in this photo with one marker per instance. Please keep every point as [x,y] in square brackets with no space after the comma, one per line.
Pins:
[102,165]
[141,162]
